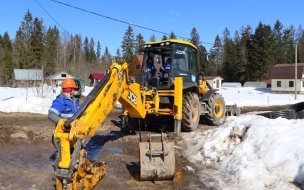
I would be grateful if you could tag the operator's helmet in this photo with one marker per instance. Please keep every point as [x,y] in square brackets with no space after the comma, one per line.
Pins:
[68,85]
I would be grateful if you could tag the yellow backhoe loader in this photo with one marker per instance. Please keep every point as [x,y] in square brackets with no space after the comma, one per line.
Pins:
[179,92]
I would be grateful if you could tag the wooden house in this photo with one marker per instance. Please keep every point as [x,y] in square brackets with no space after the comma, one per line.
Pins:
[135,67]
[57,78]
[27,78]
[94,78]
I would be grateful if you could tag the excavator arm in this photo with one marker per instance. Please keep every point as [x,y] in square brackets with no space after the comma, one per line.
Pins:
[73,170]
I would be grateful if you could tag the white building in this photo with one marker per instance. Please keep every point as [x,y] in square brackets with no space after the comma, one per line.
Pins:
[283,77]
[214,81]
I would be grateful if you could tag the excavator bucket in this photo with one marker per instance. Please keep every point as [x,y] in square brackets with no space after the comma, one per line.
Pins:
[156,159]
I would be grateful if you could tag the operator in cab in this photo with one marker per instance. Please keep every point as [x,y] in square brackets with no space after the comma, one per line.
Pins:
[166,65]
[66,103]
[150,67]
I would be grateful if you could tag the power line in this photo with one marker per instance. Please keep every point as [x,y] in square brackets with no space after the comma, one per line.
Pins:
[111,18]
[50,16]
[117,20]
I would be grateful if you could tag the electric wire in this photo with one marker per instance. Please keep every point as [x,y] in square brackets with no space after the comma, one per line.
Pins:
[50,16]
[121,21]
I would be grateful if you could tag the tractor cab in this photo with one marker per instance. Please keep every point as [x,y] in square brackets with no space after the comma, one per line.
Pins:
[166,59]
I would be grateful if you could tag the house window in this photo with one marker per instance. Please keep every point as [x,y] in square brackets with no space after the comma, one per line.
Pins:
[63,75]
[302,83]
[290,83]
[137,67]
[279,84]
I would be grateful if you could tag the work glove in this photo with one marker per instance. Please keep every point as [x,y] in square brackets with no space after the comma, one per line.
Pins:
[67,123]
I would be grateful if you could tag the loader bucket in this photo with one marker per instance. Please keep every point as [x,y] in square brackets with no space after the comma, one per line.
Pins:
[156,159]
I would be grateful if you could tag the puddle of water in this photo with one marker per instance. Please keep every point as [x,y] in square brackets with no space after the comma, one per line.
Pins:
[114,149]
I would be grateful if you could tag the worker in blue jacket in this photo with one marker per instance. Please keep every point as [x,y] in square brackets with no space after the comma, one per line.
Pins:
[166,65]
[65,104]
[150,67]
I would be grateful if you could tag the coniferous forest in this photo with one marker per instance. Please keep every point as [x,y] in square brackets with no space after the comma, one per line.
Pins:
[246,55]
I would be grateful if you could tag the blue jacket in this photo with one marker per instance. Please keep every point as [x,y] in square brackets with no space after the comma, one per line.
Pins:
[150,68]
[165,66]
[63,107]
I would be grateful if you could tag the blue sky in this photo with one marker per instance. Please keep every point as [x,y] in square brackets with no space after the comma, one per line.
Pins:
[208,17]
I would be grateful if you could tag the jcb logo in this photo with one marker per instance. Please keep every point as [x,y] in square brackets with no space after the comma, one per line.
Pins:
[132,97]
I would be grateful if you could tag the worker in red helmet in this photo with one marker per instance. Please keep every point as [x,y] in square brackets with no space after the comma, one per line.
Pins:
[66,103]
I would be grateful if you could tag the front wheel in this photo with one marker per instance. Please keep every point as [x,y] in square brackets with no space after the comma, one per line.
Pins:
[190,112]
[216,109]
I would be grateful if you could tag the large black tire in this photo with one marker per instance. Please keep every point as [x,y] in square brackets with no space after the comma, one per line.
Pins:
[190,112]
[216,110]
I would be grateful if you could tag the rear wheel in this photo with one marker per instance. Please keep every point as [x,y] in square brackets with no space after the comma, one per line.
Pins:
[190,112]
[216,109]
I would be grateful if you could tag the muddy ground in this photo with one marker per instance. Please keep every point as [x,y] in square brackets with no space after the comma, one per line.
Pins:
[27,154]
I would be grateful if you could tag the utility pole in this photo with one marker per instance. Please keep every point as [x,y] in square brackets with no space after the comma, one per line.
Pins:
[296,68]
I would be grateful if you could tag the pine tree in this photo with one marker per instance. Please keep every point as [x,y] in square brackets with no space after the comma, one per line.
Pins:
[202,53]
[6,42]
[195,37]
[86,49]
[300,44]
[1,64]
[243,47]
[51,46]
[152,38]
[203,62]
[92,54]
[37,43]
[216,54]
[79,53]
[23,48]
[107,58]
[278,41]
[139,43]
[288,45]
[71,55]
[128,45]
[165,37]
[118,56]
[8,66]
[19,50]
[98,52]
[229,58]
[261,55]
[172,35]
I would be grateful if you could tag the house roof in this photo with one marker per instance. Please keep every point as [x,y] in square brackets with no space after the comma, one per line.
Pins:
[267,81]
[96,75]
[139,57]
[212,77]
[28,74]
[56,74]
[286,71]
